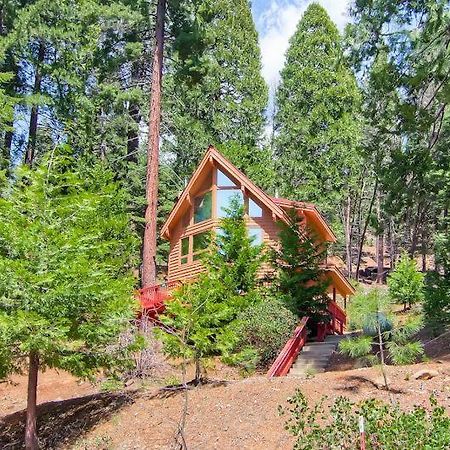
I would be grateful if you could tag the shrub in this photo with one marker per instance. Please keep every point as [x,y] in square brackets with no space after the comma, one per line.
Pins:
[387,427]
[262,330]
[406,282]
[437,301]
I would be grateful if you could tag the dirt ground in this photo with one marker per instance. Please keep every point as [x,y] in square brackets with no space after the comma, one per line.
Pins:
[236,414]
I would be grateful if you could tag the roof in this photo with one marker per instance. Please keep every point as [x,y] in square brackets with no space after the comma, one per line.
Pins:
[311,212]
[277,205]
[213,158]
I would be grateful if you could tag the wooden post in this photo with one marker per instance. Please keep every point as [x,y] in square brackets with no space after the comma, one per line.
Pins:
[150,235]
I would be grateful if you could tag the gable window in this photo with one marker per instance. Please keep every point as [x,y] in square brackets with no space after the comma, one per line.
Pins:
[254,210]
[224,198]
[203,207]
[256,235]
[223,180]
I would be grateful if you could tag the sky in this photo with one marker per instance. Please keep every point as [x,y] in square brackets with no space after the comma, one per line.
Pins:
[276,21]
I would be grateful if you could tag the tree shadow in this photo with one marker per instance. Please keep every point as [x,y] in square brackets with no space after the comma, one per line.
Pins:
[63,422]
[175,389]
[356,383]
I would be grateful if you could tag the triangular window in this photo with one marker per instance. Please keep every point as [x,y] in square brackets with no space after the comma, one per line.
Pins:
[223,180]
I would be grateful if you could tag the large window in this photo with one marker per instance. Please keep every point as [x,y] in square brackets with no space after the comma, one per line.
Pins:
[203,207]
[224,198]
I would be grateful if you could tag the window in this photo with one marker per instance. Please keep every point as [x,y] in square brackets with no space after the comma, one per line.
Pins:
[184,250]
[224,200]
[201,242]
[223,180]
[254,210]
[256,236]
[203,207]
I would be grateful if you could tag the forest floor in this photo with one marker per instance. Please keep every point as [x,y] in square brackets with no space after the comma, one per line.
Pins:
[226,414]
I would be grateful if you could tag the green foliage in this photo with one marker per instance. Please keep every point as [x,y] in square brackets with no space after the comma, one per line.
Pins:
[370,311]
[214,90]
[6,103]
[406,282]
[66,289]
[356,347]
[436,305]
[365,306]
[298,279]
[386,426]
[317,126]
[261,331]
[196,320]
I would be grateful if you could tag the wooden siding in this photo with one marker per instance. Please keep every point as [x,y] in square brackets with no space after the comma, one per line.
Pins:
[180,272]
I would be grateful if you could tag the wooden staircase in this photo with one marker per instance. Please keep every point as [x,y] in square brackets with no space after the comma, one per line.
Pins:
[315,356]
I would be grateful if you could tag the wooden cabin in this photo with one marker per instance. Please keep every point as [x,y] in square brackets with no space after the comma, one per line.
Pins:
[202,204]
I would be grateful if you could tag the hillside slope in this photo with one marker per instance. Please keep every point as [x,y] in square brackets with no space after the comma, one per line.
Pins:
[232,415]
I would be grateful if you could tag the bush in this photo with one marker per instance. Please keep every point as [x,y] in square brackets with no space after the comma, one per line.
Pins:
[262,330]
[387,427]
[437,301]
[406,282]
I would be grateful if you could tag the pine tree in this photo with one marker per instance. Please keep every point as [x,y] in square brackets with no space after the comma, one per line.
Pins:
[198,318]
[406,282]
[214,91]
[66,287]
[297,278]
[317,128]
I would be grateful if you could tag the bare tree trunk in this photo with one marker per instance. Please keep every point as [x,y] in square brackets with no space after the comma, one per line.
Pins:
[31,439]
[380,244]
[424,250]
[150,236]
[363,235]
[348,236]
[392,249]
[34,116]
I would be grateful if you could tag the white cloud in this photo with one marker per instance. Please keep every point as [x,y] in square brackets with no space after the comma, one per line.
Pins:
[278,23]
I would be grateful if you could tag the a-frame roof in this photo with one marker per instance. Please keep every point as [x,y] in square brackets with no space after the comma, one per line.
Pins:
[213,158]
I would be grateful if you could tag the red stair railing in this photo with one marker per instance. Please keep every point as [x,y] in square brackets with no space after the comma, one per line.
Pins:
[290,351]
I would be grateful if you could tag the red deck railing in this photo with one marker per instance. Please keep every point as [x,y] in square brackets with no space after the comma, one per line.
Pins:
[152,298]
[290,351]
[338,318]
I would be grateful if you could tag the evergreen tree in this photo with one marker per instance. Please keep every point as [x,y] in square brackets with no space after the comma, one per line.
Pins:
[317,127]
[214,92]
[66,289]
[406,282]
[198,317]
[298,279]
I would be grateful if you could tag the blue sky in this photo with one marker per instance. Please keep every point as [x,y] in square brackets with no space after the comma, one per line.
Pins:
[276,21]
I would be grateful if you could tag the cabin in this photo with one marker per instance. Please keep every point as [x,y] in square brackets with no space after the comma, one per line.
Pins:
[199,210]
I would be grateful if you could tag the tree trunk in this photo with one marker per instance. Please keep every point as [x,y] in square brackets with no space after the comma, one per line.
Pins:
[150,236]
[380,244]
[424,250]
[348,237]
[34,116]
[31,439]
[363,235]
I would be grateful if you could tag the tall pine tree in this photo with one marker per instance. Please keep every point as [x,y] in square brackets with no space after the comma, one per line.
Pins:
[214,92]
[317,128]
